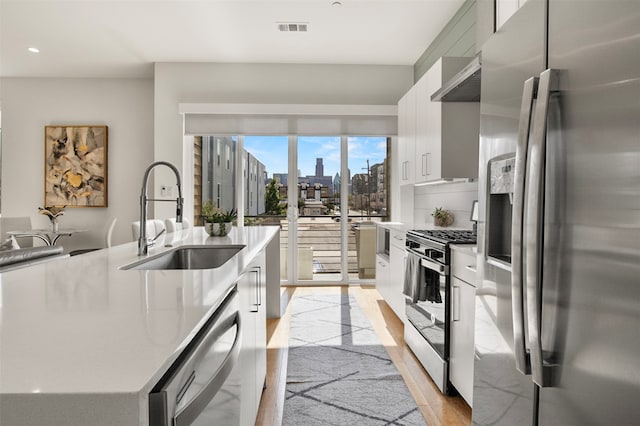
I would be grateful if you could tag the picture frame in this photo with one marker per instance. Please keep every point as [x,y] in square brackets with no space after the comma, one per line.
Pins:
[75,165]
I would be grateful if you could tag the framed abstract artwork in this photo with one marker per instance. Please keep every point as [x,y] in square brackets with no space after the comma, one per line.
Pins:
[75,166]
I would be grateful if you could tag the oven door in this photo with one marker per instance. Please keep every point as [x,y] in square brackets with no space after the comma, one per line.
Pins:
[427,311]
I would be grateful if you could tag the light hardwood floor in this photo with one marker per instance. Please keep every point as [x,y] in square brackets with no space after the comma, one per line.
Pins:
[437,409]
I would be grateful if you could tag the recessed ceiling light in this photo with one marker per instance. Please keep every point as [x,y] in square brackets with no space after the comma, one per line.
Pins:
[33,50]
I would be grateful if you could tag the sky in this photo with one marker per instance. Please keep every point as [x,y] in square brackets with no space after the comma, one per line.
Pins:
[273,153]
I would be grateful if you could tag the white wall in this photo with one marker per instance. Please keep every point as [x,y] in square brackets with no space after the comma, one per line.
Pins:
[136,109]
[259,83]
[456,197]
[124,105]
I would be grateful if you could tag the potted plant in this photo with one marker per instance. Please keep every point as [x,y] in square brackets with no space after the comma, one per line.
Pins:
[52,212]
[217,222]
[442,217]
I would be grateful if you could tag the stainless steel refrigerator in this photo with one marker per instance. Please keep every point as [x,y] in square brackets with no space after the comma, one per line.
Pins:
[557,337]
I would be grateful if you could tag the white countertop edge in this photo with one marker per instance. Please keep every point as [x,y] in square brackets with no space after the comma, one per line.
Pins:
[394,226]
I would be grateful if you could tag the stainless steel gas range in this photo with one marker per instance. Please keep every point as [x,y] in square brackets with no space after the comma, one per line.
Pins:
[428,288]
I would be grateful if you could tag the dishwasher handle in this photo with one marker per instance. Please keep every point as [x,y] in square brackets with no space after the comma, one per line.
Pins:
[186,415]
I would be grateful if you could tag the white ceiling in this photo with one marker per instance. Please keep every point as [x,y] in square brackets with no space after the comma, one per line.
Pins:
[122,38]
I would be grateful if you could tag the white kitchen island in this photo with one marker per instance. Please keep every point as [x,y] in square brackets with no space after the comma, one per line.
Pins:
[82,341]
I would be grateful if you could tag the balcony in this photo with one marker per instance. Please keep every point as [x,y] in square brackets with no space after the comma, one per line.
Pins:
[319,244]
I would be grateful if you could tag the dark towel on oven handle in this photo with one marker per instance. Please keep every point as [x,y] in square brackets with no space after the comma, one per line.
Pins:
[432,286]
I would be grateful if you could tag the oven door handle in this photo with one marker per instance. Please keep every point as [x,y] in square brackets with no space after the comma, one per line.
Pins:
[441,269]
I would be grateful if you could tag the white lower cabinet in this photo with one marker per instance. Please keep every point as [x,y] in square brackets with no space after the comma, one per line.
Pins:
[398,259]
[383,275]
[253,324]
[462,324]
[390,273]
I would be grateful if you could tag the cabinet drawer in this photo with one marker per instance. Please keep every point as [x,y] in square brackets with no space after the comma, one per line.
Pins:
[397,238]
[463,266]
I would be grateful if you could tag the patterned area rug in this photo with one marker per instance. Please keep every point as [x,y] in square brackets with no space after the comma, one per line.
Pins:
[338,371]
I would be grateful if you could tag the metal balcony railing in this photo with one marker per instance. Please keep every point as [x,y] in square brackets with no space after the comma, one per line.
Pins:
[322,234]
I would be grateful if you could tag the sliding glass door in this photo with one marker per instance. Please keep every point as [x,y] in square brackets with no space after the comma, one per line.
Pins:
[368,201]
[325,193]
[300,181]
[319,233]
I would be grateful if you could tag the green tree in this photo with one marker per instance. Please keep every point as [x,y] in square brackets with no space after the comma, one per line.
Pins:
[272,199]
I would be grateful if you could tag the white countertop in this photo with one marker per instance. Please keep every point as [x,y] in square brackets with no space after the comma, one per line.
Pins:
[398,226]
[81,325]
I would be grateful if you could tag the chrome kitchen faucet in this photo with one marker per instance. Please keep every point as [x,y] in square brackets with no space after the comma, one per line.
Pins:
[143,245]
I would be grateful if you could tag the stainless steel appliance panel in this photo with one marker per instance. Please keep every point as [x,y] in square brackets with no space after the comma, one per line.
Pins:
[591,290]
[202,387]
[502,395]
[428,289]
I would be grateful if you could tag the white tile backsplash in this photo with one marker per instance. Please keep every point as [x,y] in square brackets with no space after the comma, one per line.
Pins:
[456,197]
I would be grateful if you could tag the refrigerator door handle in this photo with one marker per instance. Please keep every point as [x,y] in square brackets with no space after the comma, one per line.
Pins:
[534,217]
[529,92]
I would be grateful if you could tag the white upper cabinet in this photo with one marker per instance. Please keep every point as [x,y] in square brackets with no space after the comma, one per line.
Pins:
[505,9]
[446,146]
[407,136]
[423,94]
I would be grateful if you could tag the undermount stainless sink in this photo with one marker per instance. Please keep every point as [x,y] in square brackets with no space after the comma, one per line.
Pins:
[188,257]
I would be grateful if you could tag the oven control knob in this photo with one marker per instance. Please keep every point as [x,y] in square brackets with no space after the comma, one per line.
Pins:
[412,244]
[433,254]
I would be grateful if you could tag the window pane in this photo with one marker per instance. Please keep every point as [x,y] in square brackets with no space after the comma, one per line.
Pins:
[266,159]
[368,198]
[212,182]
[319,233]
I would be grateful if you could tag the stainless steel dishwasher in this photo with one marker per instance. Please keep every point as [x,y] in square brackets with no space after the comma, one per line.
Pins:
[202,387]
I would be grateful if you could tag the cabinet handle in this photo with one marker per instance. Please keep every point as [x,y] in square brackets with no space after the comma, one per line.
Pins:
[254,305]
[456,304]
[428,163]
[424,164]
[397,238]
[257,287]
[472,268]
[258,272]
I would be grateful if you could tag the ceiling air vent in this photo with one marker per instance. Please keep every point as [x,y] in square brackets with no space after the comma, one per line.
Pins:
[292,27]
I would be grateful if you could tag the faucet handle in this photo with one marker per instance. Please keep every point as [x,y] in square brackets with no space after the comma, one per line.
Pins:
[152,241]
[158,236]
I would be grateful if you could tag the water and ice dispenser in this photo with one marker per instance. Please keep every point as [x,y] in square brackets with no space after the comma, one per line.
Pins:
[501,184]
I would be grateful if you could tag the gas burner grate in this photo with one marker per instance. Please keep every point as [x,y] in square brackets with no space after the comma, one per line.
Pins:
[453,236]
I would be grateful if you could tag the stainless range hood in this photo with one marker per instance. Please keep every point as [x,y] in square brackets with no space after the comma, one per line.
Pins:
[462,87]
